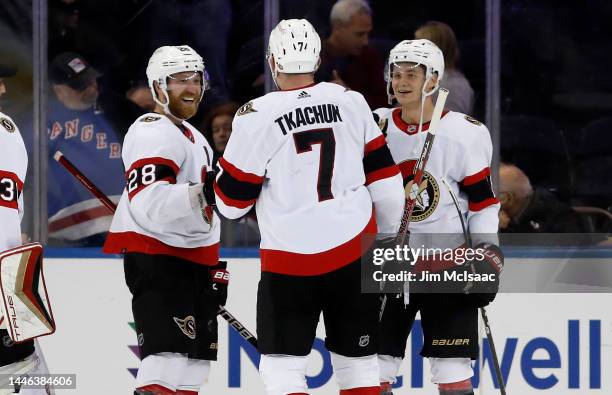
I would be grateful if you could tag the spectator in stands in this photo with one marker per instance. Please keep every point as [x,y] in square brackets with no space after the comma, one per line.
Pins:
[218,126]
[346,57]
[461,96]
[140,94]
[525,210]
[78,127]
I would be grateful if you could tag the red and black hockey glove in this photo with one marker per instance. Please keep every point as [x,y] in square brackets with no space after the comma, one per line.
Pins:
[482,292]
[219,280]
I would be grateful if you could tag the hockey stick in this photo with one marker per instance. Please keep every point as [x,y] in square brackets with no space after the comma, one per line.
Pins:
[72,169]
[418,171]
[483,311]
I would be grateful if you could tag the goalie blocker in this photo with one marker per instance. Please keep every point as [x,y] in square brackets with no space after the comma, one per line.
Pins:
[25,303]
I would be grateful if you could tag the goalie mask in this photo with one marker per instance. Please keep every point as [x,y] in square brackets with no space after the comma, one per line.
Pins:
[25,304]
[169,60]
[293,48]
[420,53]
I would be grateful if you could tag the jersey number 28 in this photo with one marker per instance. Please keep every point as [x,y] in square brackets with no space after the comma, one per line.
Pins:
[141,176]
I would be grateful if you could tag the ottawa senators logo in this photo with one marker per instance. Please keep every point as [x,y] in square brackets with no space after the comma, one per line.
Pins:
[246,109]
[150,118]
[472,120]
[8,125]
[187,326]
[427,196]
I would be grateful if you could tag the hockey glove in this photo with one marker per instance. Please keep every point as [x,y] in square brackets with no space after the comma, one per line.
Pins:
[480,292]
[390,268]
[219,281]
[208,189]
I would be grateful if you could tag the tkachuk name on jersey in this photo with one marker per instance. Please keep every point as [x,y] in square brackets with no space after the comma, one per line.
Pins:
[302,116]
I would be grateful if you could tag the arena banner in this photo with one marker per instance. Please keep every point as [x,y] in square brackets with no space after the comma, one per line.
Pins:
[547,343]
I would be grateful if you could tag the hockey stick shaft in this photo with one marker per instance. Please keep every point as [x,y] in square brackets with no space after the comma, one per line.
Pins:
[419,169]
[72,169]
[483,312]
[91,187]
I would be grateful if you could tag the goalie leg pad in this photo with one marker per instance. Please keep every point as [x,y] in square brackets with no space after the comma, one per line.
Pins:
[355,372]
[389,367]
[194,376]
[163,369]
[450,370]
[25,304]
[283,374]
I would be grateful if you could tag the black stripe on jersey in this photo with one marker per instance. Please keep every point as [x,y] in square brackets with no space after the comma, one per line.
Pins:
[236,190]
[144,173]
[10,189]
[480,194]
[377,159]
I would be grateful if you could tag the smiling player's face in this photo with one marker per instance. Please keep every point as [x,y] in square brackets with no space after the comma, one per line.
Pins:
[184,92]
[407,81]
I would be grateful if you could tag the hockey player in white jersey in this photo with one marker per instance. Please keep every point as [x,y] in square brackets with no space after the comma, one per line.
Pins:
[314,163]
[168,234]
[23,358]
[460,158]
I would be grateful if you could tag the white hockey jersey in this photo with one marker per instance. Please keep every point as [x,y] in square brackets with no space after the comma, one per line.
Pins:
[155,214]
[13,167]
[461,156]
[314,162]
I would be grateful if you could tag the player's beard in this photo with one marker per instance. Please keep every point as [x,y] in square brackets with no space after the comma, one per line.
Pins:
[183,110]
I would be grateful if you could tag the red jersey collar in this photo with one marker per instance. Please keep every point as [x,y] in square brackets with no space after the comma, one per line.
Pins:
[409,128]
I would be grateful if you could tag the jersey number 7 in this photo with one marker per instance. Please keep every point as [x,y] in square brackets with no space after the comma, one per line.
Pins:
[325,137]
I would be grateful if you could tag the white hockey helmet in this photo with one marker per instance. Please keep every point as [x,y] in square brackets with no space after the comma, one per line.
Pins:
[294,47]
[168,60]
[421,52]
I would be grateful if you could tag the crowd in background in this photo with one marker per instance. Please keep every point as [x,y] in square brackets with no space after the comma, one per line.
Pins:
[556,107]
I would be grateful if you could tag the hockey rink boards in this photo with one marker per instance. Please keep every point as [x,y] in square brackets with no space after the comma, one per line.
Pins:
[547,343]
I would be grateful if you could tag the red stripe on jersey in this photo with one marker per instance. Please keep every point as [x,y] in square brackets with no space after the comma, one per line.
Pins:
[10,189]
[387,172]
[155,389]
[410,128]
[361,391]
[239,174]
[123,242]
[461,385]
[78,218]
[484,204]
[154,161]
[233,202]
[476,177]
[186,392]
[375,144]
[297,264]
